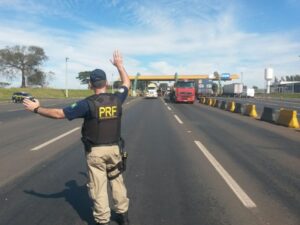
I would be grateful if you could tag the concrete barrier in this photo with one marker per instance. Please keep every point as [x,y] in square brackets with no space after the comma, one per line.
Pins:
[223,105]
[250,110]
[288,118]
[209,101]
[230,106]
[202,100]
[216,103]
[213,102]
[238,108]
[206,101]
[268,115]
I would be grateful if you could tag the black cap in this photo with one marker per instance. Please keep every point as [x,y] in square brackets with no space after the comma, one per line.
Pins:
[97,75]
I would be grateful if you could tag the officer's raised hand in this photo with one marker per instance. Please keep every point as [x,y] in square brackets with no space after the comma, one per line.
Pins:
[117,61]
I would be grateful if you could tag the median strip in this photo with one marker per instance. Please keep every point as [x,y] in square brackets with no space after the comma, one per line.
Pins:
[178,119]
[239,192]
[54,139]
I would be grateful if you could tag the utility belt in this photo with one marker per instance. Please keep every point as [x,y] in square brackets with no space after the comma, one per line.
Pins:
[121,166]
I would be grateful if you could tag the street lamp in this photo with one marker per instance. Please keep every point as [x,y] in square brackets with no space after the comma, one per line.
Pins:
[66,77]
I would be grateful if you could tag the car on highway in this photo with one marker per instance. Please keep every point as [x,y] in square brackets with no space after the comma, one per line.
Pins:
[18,97]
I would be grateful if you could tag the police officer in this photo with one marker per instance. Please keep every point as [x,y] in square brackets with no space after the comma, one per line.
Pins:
[101,137]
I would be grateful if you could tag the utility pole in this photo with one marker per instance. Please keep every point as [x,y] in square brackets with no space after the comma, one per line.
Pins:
[242,80]
[66,78]
[112,86]
[176,77]
[135,84]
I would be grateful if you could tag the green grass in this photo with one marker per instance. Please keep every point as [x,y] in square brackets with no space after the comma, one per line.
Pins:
[40,93]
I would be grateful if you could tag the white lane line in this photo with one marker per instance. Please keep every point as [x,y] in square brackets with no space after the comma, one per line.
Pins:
[239,192]
[15,110]
[54,139]
[169,108]
[178,119]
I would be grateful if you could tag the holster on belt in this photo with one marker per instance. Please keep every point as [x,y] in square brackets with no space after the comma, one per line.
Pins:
[121,166]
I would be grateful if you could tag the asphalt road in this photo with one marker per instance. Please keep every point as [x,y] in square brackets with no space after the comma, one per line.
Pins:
[188,164]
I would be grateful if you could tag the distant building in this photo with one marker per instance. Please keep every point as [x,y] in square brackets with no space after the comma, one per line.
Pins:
[286,87]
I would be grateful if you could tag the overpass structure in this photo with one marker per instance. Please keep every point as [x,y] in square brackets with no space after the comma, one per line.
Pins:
[148,78]
[172,77]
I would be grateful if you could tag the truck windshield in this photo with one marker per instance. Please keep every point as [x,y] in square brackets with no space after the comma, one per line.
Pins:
[184,84]
[151,88]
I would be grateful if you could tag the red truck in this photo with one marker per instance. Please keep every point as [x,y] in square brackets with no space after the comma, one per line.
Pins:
[183,91]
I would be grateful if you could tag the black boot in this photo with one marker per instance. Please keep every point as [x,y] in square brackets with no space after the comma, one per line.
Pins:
[123,219]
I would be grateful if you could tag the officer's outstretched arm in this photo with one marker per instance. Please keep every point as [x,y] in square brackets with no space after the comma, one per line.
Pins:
[117,61]
[47,112]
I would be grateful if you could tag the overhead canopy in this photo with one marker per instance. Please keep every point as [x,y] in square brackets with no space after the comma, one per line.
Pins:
[172,77]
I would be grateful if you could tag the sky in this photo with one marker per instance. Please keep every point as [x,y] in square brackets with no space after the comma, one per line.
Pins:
[157,37]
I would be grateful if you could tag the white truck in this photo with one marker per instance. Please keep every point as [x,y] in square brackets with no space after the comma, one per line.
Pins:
[233,90]
[151,91]
[248,92]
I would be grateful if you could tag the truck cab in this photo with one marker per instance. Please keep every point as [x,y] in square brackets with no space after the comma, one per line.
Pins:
[151,91]
[183,91]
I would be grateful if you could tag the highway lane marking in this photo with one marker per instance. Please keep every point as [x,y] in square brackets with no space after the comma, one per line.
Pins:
[54,139]
[239,192]
[178,119]
[169,108]
[133,100]
[15,110]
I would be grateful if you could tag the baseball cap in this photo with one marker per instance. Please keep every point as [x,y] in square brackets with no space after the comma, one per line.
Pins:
[97,75]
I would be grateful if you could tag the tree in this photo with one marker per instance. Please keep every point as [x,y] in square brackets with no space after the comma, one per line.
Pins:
[117,84]
[3,84]
[23,59]
[40,78]
[214,88]
[84,77]
[288,78]
[218,77]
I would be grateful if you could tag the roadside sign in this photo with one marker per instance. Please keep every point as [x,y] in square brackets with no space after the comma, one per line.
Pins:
[225,76]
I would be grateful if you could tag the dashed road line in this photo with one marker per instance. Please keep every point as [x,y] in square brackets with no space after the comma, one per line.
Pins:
[178,119]
[54,139]
[238,191]
[169,108]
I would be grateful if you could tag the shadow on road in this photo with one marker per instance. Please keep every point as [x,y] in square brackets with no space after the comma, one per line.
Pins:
[76,196]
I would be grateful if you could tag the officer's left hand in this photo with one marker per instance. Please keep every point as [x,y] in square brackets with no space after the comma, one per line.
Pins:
[30,105]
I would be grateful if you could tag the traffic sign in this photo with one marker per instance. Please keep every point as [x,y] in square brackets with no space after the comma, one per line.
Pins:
[225,76]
